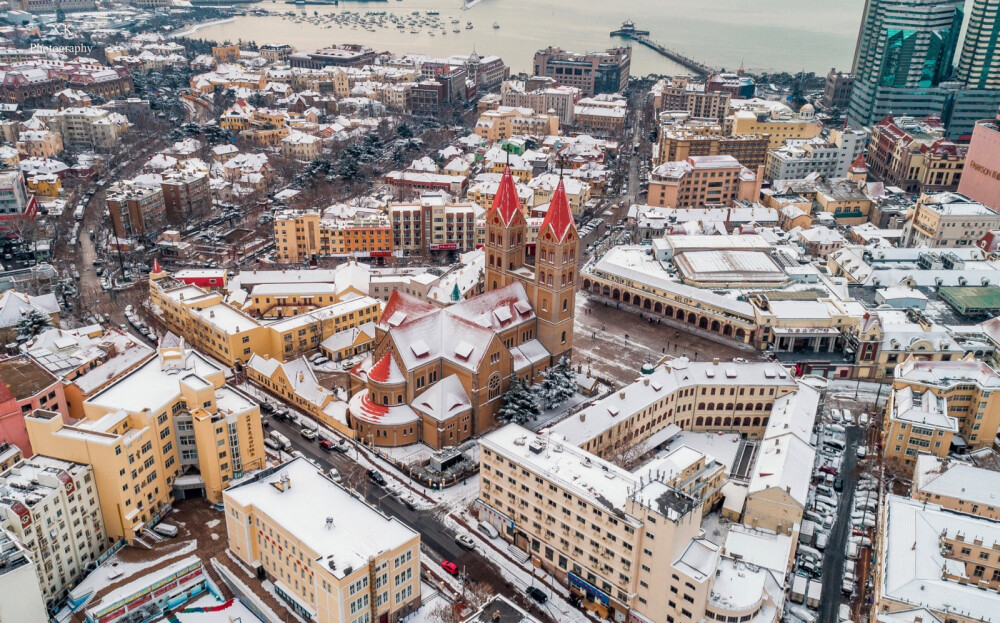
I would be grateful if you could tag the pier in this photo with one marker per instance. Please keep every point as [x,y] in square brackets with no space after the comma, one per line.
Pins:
[629,31]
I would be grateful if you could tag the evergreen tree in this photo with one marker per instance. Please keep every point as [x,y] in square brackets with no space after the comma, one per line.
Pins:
[559,384]
[60,14]
[31,324]
[520,403]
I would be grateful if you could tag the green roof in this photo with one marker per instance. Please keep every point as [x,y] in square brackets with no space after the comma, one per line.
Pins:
[971,298]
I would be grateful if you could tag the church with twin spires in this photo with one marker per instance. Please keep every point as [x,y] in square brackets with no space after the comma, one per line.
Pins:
[438,375]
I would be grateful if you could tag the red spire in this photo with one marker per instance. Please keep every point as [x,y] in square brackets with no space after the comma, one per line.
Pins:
[859,164]
[506,199]
[156,267]
[559,216]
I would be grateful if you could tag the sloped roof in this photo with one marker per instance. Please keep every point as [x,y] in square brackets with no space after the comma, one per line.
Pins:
[558,217]
[444,399]
[506,202]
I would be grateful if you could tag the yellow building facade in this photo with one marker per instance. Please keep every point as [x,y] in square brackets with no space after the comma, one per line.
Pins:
[170,428]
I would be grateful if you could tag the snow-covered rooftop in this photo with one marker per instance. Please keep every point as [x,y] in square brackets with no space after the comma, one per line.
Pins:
[357,532]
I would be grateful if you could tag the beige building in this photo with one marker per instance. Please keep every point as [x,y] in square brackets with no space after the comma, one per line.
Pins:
[52,507]
[434,223]
[137,208]
[506,121]
[703,181]
[92,127]
[937,405]
[680,137]
[170,429]
[231,335]
[301,146]
[331,556]
[300,236]
[949,220]
[945,482]
[931,559]
[39,144]
[775,120]
[629,544]
[681,93]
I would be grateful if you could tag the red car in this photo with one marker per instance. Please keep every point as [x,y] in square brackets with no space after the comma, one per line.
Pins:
[450,567]
[829,469]
[326,445]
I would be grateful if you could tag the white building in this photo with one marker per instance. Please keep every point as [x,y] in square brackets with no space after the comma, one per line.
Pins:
[17,577]
[52,507]
[829,156]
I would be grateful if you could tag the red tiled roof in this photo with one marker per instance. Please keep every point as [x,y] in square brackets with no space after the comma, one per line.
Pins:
[506,199]
[559,217]
[859,164]
[380,371]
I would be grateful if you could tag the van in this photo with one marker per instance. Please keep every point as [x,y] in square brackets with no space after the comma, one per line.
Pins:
[78,213]
[165,529]
[282,441]
[862,452]
[825,490]
[487,528]
[821,540]
[844,612]
[825,499]
[836,428]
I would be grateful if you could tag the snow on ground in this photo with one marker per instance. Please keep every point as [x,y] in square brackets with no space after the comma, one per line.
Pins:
[432,600]
[213,523]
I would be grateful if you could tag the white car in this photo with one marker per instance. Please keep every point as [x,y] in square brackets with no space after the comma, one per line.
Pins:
[308,433]
[848,418]
[334,474]
[835,414]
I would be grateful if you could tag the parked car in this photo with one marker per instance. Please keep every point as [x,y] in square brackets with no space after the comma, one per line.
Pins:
[334,474]
[308,433]
[326,445]
[449,566]
[465,541]
[488,529]
[838,484]
[829,469]
[342,446]
[377,477]
[537,594]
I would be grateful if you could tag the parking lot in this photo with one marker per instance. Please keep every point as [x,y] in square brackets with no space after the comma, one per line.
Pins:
[838,524]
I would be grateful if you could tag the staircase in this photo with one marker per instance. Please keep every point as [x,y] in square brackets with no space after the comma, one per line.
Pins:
[518,554]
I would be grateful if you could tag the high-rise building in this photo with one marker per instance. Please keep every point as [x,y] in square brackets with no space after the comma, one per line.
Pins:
[979,63]
[981,175]
[903,45]
[903,63]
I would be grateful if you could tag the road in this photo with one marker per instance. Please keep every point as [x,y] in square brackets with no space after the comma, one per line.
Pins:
[434,536]
[834,554]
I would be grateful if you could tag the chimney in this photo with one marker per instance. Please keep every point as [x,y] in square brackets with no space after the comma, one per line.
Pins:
[645,381]
[211,314]
[621,394]
[715,361]
[583,416]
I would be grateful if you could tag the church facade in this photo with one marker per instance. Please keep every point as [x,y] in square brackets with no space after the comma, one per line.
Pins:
[438,375]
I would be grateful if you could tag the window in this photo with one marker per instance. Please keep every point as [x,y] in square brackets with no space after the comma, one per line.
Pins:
[494,382]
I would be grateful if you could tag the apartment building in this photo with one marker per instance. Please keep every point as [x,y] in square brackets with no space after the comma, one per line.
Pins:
[703,181]
[915,154]
[15,202]
[331,556]
[39,144]
[601,115]
[85,360]
[829,156]
[307,236]
[696,396]
[301,146]
[775,120]
[981,174]
[682,136]
[95,128]
[137,209]
[544,186]
[435,222]
[276,52]
[949,219]
[507,121]
[682,93]
[957,401]
[629,544]
[945,482]
[52,507]
[18,576]
[10,455]
[837,89]
[560,99]
[932,558]
[25,386]
[231,335]
[592,73]
[186,193]
[170,429]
